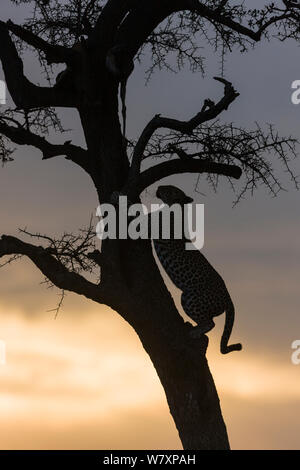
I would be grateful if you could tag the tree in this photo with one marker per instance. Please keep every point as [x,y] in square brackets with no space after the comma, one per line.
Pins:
[85,35]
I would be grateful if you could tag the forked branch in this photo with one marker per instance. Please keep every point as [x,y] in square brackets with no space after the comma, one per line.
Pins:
[21,136]
[208,112]
[24,93]
[52,269]
[146,15]
[55,54]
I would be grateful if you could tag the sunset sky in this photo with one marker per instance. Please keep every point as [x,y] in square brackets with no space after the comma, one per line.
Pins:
[83,381]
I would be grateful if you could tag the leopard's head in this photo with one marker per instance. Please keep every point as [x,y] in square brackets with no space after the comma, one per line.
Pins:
[171,195]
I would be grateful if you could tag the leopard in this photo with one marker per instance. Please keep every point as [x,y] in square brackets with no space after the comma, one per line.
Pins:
[204,293]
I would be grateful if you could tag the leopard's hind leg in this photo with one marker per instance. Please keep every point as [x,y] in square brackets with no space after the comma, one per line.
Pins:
[196,306]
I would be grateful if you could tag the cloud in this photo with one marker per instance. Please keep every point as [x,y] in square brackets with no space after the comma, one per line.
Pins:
[84,381]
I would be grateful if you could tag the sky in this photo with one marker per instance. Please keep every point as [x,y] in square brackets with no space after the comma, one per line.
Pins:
[83,381]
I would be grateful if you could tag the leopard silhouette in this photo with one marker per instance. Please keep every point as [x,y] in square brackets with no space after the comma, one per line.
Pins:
[204,293]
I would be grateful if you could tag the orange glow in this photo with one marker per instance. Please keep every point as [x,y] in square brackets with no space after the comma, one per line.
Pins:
[85,382]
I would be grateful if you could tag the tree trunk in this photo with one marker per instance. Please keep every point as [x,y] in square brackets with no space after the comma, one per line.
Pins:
[132,285]
[179,360]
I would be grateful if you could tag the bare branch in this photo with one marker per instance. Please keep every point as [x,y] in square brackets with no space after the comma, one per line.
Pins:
[290,4]
[209,111]
[253,150]
[60,304]
[221,5]
[233,25]
[23,92]
[10,260]
[172,167]
[71,249]
[55,54]
[225,19]
[53,269]
[144,18]
[21,136]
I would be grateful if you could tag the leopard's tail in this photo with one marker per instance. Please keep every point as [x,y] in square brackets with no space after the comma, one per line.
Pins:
[227,332]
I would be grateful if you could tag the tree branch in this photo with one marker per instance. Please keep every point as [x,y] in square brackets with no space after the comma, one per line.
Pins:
[108,22]
[290,4]
[209,111]
[21,136]
[224,19]
[142,20]
[172,167]
[55,54]
[55,271]
[23,92]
